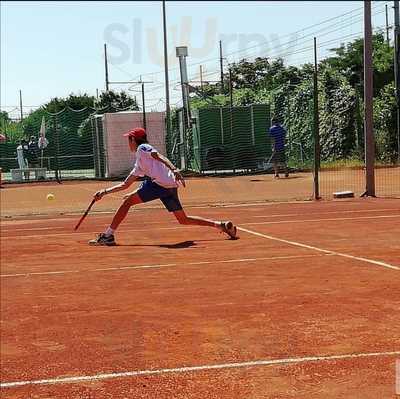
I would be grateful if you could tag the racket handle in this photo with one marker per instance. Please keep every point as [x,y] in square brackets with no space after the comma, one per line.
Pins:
[85,214]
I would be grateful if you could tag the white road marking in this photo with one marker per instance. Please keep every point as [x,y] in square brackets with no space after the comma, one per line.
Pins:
[156,266]
[326,251]
[191,369]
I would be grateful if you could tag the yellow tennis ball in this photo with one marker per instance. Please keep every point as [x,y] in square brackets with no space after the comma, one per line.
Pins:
[50,197]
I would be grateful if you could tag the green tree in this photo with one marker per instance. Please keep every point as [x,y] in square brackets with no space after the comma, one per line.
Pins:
[4,117]
[348,61]
[117,101]
[12,130]
[75,102]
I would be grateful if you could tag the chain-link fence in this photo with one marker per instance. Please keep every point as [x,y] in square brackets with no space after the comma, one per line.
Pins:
[236,140]
[222,140]
[292,106]
[75,147]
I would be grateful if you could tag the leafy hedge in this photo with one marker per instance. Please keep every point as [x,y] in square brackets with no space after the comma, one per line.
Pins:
[337,117]
[289,91]
[385,125]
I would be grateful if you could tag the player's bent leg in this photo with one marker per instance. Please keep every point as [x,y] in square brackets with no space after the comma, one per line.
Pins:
[182,218]
[123,210]
[226,227]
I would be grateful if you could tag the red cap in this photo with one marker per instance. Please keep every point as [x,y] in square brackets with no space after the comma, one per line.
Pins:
[137,133]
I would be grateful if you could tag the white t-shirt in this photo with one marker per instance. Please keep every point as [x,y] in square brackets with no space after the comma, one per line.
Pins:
[146,165]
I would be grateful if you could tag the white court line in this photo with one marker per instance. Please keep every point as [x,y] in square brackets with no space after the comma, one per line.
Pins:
[326,213]
[12,230]
[204,206]
[190,227]
[158,266]
[7,230]
[326,251]
[42,216]
[190,369]
[322,220]
[33,229]
[75,233]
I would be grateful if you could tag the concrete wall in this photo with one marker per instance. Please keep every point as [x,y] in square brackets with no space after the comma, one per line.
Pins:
[119,158]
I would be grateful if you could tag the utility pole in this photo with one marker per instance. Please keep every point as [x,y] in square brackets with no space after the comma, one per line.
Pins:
[387,25]
[185,120]
[181,53]
[317,154]
[397,70]
[221,65]
[20,104]
[368,104]
[231,111]
[106,66]
[143,106]
[168,108]
[230,88]
[201,78]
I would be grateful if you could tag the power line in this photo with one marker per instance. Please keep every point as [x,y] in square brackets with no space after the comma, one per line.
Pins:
[248,48]
[320,45]
[306,49]
[353,14]
[312,34]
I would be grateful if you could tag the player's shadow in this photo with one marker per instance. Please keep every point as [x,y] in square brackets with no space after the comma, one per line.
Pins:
[291,177]
[178,245]
[280,178]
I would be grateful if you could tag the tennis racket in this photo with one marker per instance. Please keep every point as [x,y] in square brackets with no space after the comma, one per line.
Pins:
[85,214]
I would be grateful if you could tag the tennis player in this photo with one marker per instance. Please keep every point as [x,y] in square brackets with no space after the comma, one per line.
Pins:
[161,182]
[278,133]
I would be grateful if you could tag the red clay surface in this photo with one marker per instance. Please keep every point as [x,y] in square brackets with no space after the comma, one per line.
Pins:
[203,300]
[74,196]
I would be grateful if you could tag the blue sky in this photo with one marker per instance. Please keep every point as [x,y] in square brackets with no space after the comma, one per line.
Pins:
[51,49]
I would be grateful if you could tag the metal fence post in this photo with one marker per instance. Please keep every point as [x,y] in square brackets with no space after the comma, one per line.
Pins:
[317,149]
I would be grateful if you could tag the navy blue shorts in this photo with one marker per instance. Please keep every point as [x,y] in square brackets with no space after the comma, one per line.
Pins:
[149,191]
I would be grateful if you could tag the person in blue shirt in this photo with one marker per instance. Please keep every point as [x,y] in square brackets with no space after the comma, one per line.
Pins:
[278,134]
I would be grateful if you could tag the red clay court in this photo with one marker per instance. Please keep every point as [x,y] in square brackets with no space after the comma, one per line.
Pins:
[304,305]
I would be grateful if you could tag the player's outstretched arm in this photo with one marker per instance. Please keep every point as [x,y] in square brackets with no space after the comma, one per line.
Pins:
[119,187]
[161,158]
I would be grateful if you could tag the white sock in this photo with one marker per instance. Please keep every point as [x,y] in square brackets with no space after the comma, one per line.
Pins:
[109,232]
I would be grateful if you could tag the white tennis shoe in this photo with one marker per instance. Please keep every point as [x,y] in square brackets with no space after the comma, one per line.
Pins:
[230,229]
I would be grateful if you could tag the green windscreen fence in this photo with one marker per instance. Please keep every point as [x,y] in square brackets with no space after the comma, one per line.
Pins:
[224,140]
[237,140]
